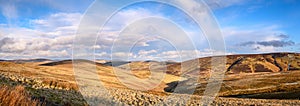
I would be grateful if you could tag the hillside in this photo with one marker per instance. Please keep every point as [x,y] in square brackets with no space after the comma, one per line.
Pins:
[248,63]
[265,78]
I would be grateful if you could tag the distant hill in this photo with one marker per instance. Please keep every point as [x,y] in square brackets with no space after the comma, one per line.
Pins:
[247,63]
[116,63]
[28,60]
[63,62]
[235,64]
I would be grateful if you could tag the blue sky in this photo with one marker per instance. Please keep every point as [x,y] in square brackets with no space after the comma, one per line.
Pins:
[280,12]
[46,28]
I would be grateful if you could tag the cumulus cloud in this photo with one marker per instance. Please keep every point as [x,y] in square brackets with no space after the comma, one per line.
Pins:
[51,36]
[54,34]
[274,43]
[12,45]
[31,48]
[255,39]
[283,36]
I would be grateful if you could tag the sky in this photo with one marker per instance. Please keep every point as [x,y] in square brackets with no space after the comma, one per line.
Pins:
[46,29]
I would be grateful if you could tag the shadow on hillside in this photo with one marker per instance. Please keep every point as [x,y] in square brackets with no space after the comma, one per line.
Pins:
[182,87]
[293,95]
[171,86]
[69,62]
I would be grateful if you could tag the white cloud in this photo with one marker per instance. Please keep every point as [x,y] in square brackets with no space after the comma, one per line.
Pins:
[53,35]
[182,55]
[58,24]
[121,55]
[256,39]
[12,45]
[126,17]
[256,33]
[102,55]
[261,48]
[58,20]
[143,52]
[217,4]
[49,53]
[50,37]
[187,54]
[36,47]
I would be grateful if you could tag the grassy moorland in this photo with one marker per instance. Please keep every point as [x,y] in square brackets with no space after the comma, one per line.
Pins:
[263,79]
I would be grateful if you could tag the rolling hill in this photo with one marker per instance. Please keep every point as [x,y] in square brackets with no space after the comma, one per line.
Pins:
[247,63]
[258,76]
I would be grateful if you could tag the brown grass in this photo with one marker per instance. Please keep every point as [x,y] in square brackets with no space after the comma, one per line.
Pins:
[256,76]
[16,96]
[261,83]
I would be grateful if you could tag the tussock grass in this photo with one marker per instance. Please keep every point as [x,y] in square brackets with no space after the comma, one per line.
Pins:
[17,96]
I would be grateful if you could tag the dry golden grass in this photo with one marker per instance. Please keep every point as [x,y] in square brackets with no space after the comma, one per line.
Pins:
[257,74]
[261,83]
[62,75]
[109,79]
[16,96]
